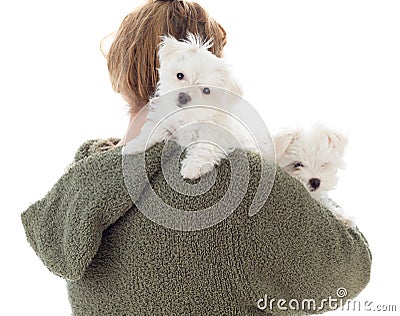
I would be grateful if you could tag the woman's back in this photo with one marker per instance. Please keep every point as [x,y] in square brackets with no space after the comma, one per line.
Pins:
[119,262]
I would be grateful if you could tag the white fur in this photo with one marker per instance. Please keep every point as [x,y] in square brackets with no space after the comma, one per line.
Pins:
[313,155]
[201,69]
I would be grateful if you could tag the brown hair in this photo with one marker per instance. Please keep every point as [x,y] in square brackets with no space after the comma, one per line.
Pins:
[132,58]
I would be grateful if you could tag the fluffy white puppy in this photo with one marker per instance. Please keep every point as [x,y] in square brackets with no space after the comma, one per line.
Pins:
[314,156]
[191,106]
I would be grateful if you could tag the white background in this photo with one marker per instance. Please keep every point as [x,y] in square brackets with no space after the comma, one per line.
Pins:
[298,61]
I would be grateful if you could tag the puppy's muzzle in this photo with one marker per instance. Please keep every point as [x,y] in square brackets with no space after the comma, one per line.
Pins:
[183,99]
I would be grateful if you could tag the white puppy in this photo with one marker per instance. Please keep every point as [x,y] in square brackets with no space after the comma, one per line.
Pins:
[313,156]
[193,105]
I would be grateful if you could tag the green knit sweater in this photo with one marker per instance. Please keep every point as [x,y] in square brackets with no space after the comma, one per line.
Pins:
[116,261]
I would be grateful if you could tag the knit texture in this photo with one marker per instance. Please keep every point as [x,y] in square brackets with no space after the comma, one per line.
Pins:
[116,261]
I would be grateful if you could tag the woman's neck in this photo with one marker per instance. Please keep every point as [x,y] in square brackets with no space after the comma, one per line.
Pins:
[136,122]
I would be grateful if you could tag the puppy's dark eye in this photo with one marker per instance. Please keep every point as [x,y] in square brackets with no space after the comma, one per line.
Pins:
[206,91]
[297,165]
[180,75]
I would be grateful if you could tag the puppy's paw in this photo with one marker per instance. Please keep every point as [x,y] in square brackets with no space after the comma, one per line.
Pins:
[192,169]
[347,222]
[134,147]
[342,217]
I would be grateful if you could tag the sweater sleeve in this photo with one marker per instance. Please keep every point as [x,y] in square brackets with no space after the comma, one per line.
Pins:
[65,227]
[298,250]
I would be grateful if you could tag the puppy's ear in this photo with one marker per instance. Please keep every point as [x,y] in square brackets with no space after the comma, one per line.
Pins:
[282,141]
[230,83]
[336,140]
[168,47]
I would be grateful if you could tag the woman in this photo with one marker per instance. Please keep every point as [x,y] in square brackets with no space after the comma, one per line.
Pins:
[116,261]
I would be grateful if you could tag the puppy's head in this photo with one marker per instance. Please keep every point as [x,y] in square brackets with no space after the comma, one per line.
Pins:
[312,156]
[189,63]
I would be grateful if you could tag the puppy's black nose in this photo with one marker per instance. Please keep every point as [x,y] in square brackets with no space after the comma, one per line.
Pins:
[315,183]
[183,98]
